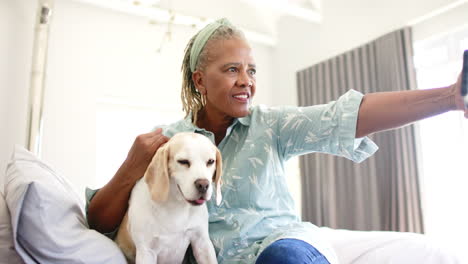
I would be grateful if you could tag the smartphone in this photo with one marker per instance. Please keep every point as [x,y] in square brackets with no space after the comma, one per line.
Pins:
[464,88]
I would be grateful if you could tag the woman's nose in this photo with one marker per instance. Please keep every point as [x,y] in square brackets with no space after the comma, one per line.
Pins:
[244,80]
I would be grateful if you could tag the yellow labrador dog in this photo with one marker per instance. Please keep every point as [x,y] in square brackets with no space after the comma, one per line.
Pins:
[167,210]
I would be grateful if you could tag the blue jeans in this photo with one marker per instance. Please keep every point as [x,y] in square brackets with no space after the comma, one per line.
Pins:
[291,251]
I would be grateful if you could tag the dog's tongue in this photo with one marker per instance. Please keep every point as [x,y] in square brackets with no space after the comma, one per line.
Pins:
[200,201]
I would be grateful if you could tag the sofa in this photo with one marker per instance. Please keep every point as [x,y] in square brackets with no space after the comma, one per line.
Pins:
[42,220]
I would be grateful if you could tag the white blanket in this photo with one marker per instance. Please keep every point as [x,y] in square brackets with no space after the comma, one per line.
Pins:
[369,247]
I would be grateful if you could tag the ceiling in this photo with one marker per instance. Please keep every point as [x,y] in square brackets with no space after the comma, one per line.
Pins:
[257,18]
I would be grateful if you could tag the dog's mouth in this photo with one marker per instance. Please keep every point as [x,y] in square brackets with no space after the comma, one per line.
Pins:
[196,202]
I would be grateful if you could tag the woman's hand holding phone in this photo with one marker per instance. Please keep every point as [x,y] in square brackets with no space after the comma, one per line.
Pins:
[464,79]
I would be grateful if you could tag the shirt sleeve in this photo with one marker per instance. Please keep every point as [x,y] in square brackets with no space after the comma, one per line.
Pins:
[89,196]
[328,128]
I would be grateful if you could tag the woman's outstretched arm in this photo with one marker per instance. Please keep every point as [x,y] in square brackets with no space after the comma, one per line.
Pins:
[387,110]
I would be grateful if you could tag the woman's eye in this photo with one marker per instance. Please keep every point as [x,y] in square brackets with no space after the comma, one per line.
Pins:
[252,72]
[232,69]
[184,162]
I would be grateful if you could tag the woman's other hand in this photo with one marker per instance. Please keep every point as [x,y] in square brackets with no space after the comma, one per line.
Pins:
[142,151]
[456,87]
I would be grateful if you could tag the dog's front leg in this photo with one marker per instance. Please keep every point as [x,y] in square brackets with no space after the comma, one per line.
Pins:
[203,250]
[145,256]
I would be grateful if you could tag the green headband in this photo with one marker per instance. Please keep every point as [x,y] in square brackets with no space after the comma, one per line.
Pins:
[203,37]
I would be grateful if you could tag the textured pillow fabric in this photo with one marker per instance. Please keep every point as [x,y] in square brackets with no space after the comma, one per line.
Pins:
[47,217]
[7,251]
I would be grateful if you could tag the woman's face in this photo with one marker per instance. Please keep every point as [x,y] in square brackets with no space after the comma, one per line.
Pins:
[228,80]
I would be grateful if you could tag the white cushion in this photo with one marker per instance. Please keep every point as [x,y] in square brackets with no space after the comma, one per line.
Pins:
[48,219]
[7,251]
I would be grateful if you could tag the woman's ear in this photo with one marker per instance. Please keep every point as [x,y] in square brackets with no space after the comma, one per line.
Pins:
[197,78]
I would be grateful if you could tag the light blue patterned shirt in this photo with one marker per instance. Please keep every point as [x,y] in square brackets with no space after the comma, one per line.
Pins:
[257,208]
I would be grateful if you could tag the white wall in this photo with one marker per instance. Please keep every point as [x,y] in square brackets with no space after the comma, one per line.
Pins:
[16,38]
[449,21]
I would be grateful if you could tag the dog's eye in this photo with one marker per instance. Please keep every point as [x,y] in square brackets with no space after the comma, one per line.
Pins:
[184,162]
[210,161]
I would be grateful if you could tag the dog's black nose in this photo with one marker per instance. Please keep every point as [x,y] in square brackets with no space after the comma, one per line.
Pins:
[202,185]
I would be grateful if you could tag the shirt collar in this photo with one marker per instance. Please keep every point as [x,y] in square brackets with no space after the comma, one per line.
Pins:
[245,120]
[188,122]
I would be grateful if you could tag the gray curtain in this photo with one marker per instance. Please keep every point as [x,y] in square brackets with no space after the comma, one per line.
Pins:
[382,193]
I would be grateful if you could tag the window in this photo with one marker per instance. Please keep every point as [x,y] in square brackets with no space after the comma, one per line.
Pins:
[444,144]
[117,126]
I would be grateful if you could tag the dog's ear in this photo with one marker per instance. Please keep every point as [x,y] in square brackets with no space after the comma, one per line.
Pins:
[157,175]
[217,176]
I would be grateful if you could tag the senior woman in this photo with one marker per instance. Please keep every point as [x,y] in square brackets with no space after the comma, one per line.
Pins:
[256,222]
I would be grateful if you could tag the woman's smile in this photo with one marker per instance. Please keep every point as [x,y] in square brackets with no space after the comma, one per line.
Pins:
[242,97]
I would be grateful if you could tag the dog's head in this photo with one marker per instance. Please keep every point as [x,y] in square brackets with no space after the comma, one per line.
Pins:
[189,161]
